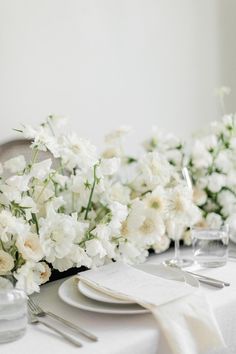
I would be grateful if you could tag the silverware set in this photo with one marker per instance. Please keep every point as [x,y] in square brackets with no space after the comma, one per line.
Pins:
[36,315]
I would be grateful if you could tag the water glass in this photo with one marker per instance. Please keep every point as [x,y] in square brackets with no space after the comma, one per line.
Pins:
[13,311]
[210,246]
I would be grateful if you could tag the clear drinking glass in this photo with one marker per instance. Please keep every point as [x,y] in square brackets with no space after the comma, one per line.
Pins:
[13,311]
[210,246]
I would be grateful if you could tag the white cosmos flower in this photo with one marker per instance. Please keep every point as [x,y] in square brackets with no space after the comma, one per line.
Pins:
[157,200]
[77,152]
[16,164]
[29,247]
[6,262]
[216,182]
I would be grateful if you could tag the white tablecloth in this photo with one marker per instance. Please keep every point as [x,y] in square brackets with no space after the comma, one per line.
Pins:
[121,334]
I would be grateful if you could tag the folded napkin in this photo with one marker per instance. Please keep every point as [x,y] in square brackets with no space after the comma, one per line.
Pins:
[182,312]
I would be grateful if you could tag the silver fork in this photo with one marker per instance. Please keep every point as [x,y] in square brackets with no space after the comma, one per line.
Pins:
[34,320]
[39,312]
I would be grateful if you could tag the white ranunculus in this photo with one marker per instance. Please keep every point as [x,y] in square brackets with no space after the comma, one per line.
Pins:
[216,182]
[6,262]
[16,164]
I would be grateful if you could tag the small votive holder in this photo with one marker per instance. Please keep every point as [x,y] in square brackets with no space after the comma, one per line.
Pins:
[210,246]
[13,311]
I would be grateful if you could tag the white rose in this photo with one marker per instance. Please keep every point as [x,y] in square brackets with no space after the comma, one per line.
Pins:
[30,247]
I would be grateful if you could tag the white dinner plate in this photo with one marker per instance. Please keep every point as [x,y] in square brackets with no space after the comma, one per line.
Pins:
[70,293]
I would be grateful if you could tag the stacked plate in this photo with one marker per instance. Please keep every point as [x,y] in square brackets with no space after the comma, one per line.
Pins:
[78,294]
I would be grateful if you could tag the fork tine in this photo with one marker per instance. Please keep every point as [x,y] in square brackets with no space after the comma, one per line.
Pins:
[34,306]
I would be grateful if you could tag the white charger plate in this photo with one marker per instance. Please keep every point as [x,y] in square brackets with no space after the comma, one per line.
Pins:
[70,293]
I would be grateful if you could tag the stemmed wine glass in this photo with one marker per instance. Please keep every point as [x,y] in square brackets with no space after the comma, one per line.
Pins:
[177,261]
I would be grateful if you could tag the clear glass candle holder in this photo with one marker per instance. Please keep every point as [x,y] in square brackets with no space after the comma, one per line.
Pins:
[13,311]
[210,246]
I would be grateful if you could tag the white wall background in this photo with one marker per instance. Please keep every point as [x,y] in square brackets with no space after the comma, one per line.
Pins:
[105,63]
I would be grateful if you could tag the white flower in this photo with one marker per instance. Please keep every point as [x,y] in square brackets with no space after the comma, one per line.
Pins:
[162,244]
[228,202]
[201,157]
[94,248]
[216,182]
[119,214]
[41,169]
[131,253]
[214,220]
[157,200]
[57,233]
[155,170]
[10,225]
[223,161]
[29,206]
[19,183]
[109,166]
[77,152]
[6,262]
[30,275]
[120,193]
[16,164]
[29,247]
[199,196]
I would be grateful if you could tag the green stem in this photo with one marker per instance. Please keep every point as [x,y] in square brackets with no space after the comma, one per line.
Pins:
[91,193]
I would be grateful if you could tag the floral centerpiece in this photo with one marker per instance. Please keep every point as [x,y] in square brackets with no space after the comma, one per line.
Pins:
[77,208]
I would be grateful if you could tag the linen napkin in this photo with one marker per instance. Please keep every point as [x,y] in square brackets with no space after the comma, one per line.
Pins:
[182,312]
